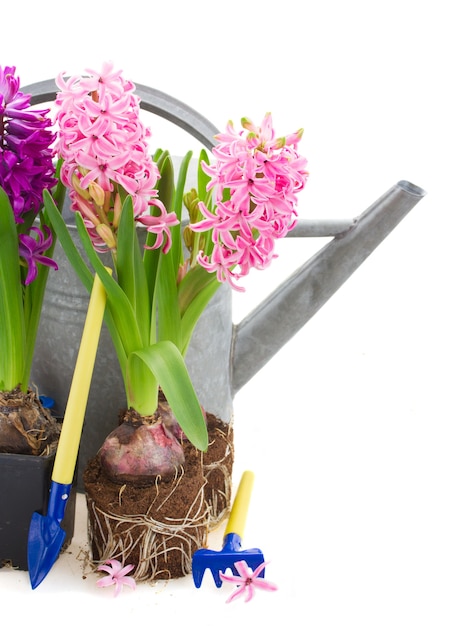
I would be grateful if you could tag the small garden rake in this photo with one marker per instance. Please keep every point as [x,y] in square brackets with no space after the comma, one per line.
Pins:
[231,552]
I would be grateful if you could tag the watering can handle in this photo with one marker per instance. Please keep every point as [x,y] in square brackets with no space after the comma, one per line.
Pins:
[239,511]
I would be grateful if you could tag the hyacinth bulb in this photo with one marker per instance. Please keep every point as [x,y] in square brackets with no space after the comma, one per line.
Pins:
[138,451]
[169,419]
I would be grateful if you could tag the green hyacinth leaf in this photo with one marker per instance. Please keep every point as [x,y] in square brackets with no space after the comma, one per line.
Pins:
[167,365]
[12,327]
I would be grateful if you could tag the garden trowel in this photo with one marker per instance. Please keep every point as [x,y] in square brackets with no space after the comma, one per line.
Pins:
[46,537]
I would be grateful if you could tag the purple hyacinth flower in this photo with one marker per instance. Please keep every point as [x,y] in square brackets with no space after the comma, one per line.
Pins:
[32,251]
[26,165]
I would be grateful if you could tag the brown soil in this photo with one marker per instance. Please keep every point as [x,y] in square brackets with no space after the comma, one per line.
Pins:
[158,527]
[217,468]
[26,427]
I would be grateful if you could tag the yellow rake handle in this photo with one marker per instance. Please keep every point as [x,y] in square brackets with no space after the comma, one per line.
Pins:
[237,518]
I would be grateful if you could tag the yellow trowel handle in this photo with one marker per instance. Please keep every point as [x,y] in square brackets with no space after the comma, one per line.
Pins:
[239,511]
[68,445]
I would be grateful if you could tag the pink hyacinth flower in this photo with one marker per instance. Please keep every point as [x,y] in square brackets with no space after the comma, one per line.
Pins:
[103,142]
[117,575]
[255,178]
[247,581]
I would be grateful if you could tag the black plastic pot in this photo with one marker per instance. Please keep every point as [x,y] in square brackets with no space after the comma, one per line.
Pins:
[24,489]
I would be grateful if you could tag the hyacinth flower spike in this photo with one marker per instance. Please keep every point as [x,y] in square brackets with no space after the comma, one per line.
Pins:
[26,240]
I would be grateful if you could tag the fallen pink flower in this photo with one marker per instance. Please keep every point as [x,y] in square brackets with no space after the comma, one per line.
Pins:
[247,581]
[117,575]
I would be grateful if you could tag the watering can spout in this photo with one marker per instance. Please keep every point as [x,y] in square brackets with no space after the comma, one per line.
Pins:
[258,337]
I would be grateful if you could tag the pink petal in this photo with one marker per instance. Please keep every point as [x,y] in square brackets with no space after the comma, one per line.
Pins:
[130,582]
[265,584]
[249,592]
[231,579]
[118,589]
[236,593]
[259,569]
[107,581]
[243,569]
[105,568]
[116,566]
[125,571]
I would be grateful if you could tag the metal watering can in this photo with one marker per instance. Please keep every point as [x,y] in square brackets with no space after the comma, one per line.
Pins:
[222,356]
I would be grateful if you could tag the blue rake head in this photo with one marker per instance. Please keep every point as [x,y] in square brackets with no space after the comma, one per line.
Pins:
[220,561]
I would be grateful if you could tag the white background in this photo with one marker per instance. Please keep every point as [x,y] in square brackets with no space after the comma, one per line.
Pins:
[350,428]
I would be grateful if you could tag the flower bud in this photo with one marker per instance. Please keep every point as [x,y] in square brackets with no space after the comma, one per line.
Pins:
[77,187]
[182,271]
[188,237]
[248,125]
[107,235]
[294,138]
[189,199]
[97,193]
[85,207]
[279,143]
[117,210]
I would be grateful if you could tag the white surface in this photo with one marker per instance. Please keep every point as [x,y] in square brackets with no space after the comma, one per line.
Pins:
[358,408]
